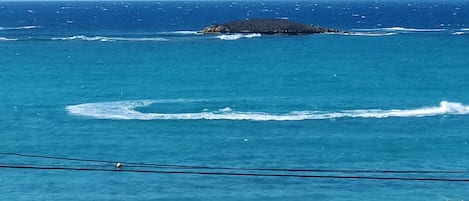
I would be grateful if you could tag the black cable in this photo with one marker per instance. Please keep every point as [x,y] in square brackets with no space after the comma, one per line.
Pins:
[51,165]
[55,157]
[155,165]
[240,174]
[312,170]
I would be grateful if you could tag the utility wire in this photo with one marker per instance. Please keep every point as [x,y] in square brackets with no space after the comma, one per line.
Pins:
[155,165]
[53,165]
[239,174]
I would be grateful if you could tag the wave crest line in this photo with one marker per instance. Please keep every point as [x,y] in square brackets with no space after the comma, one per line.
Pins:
[109,39]
[126,110]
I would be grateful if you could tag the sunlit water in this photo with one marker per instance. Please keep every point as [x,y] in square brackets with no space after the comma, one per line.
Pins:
[135,82]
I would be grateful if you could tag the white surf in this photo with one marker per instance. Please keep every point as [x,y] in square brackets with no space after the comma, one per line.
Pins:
[126,110]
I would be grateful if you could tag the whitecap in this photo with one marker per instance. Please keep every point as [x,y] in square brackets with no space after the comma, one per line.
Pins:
[366,34]
[459,33]
[253,35]
[230,37]
[226,109]
[125,110]
[465,29]
[412,29]
[7,39]
[109,39]
[20,28]
[402,29]
[238,36]
[181,32]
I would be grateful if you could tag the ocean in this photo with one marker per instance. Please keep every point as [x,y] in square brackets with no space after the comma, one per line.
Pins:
[377,113]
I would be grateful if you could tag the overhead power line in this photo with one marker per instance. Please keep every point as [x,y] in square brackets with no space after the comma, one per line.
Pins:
[178,166]
[135,167]
[236,174]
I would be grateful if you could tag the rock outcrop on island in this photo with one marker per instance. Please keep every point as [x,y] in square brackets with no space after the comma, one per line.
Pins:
[267,26]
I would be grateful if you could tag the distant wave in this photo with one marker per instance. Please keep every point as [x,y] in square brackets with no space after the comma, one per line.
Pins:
[181,32]
[19,28]
[366,34]
[412,29]
[7,39]
[238,36]
[459,33]
[108,39]
[125,110]
[401,29]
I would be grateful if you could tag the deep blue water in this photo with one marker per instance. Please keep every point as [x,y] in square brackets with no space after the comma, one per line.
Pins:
[132,81]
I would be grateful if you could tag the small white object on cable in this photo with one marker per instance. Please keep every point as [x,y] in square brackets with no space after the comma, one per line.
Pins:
[118,165]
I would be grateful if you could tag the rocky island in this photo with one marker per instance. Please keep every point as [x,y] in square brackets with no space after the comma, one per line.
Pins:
[266,26]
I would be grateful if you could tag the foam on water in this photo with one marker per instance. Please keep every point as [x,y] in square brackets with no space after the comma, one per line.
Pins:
[459,33]
[182,32]
[401,29]
[238,36]
[19,28]
[125,110]
[366,34]
[412,29]
[109,39]
[7,39]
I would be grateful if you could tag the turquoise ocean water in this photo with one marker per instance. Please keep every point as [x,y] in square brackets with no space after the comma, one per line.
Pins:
[134,82]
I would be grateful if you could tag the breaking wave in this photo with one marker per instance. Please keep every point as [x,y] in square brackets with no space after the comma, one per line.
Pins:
[125,110]
[459,33]
[366,34]
[7,39]
[401,29]
[412,29]
[109,39]
[238,36]
[19,28]
[181,32]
